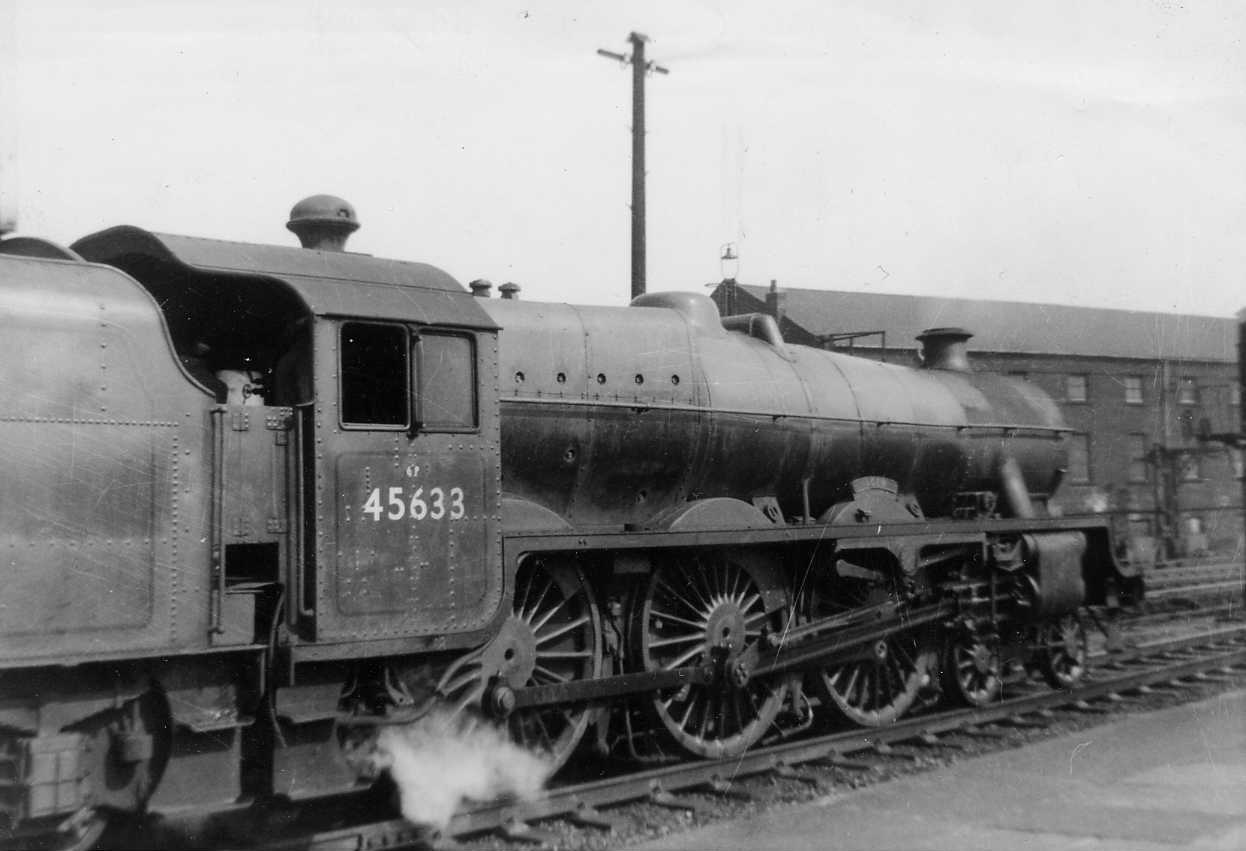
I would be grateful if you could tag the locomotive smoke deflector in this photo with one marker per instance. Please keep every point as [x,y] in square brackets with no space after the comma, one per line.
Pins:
[944,348]
[323,222]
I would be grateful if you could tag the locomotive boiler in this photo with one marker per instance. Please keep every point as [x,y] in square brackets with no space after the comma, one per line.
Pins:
[259,502]
[623,415]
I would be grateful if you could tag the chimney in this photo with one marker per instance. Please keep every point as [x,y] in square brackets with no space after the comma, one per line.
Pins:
[480,287]
[725,297]
[509,290]
[944,348]
[776,302]
[323,222]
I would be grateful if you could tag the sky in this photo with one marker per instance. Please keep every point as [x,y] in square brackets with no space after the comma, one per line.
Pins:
[1064,152]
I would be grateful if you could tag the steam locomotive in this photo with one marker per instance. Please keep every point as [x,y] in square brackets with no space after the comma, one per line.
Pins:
[258,502]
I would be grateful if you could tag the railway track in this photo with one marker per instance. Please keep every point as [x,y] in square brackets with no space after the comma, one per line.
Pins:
[1210,589]
[1169,664]
[1219,577]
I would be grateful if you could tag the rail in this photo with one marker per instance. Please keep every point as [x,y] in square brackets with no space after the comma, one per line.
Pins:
[1139,668]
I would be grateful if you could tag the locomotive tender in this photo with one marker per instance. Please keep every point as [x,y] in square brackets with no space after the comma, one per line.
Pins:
[258,501]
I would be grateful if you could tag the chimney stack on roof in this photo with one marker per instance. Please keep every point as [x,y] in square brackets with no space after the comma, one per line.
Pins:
[776,302]
[944,348]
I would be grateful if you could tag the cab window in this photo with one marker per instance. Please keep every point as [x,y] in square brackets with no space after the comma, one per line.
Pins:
[374,370]
[446,382]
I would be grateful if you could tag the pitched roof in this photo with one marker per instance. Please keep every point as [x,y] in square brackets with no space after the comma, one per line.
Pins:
[1013,327]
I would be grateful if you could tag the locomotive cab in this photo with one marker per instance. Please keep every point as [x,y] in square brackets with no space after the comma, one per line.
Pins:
[365,482]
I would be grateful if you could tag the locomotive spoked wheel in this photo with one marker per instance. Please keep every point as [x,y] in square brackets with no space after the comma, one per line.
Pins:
[702,613]
[553,637]
[972,671]
[878,689]
[1062,651]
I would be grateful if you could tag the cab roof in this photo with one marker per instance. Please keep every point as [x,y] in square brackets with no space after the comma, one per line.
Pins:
[328,283]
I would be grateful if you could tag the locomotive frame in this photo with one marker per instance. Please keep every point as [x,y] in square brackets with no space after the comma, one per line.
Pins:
[217,602]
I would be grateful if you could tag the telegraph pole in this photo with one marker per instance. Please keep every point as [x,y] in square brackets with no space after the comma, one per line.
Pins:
[640,67]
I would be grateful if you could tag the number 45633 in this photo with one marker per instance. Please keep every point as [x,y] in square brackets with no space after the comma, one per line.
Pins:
[433,505]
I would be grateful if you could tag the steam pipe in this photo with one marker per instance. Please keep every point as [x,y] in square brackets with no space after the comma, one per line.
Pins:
[1012,484]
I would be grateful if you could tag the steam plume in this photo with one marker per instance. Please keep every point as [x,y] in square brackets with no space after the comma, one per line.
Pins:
[444,759]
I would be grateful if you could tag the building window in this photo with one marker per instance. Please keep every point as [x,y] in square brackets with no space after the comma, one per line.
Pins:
[1235,394]
[1187,394]
[1075,388]
[1138,468]
[1079,458]
[1235,455]
[1139,526]
[1186,419]
[1133,389]
[1190,466]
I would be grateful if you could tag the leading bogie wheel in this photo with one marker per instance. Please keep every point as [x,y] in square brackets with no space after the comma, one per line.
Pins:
[707,611]
[972,672]
[1062,651]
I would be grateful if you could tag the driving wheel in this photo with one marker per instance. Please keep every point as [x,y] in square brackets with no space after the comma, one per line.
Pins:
[708,612]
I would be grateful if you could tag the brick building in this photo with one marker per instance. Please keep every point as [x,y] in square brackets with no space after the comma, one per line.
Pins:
[1136,388]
